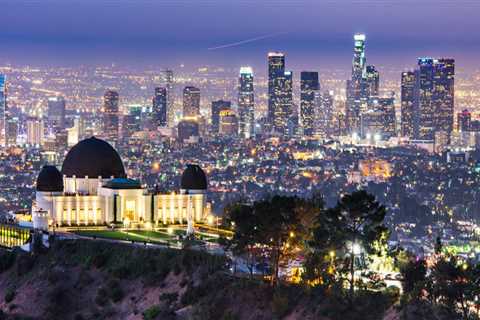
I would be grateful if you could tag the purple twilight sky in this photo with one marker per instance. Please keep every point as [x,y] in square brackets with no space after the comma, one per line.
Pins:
[314,33]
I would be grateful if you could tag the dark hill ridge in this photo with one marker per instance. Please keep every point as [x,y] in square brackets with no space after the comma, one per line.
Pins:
[82,279]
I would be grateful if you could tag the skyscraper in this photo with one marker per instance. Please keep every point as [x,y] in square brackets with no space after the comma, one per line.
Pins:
[35,131]
[217,107]
[168,83]
[191,102]
[246,105]
[228,123]
[434,98]
[324,115]
[276,77]
[464,120]
[379,121]
[3,108]
[56,112]
[110,116]
[355,85]
[159,107]
[371,83]
[286,118]
[309,88]
[407,101]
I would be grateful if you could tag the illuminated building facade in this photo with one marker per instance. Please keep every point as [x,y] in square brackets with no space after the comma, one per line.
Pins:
[280,98]
[97,192]
[191,102]
[56,113]
[217,107]
[408,84]
[324,125]
[188,129]
[35,132]
[110,116]
[228,123]
[355,85]
[3,108]
[434,98]
[371,82]
[309,90]
[246,103]
[464,120]
[159,107]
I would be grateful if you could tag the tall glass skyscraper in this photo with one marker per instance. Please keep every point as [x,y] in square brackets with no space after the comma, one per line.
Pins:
[309,88]
[276,75]
[246,103]
[159,110]
[56,112]
[356,84]
[434,98]
[408,84]
[110,116]
[217,107]
[191,102]
[168,83]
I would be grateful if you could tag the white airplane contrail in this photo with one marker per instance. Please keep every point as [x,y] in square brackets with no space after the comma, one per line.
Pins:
[239,43]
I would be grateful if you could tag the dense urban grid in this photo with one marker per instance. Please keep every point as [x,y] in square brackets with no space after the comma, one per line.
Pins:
[413,146]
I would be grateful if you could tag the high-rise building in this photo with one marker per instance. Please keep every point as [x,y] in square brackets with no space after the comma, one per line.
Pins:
[228,123]
[379,122]
[188,129]
[246,103]
[355,85]
[309,88]
[276,79]
[3,108]
[160,107]
[191,102]
[371,83]
[168,84]
[324,125]
[35,131]
[434,98]
[408,85]
[464,120]
[217,107]
[110,116]
[56,112]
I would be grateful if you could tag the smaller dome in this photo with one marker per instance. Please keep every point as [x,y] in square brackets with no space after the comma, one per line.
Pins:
[50,180]
[193,178]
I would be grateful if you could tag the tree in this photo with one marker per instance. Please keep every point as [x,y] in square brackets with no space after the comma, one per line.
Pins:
[274,228]
[414,276]
[353,227]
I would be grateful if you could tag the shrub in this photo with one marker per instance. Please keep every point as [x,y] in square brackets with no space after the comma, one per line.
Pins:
[152,313]
[169,298]
[280,304]
[115,291]
[10,295]
[25,263]
[7,259]
[101,298]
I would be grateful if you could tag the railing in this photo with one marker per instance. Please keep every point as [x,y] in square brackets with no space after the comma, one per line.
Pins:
[13,236]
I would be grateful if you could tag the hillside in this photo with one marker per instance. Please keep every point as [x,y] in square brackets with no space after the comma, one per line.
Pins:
[99,280]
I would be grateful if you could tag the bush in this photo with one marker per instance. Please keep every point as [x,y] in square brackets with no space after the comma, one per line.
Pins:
[280,304]
[152,313]
[115,291]
[10,295]
[169,298]
[7,259]
[25,263]
[102,297]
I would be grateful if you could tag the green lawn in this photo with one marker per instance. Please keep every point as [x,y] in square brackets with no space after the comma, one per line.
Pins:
[120,235]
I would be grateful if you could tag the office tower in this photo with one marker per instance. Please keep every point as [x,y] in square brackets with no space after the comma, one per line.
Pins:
[434,98]
[228,123]
[217,108]
[464,120]
[110,116]
[188,129]
[35,132]
[246,105]
[191,102]
[56,112]
[371,83]
[379,122]
[11,130]
[355,85]
[159,107]
[408,84]
[276,79]
[168,83]
[324,126]
[3,109]
[309,88]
